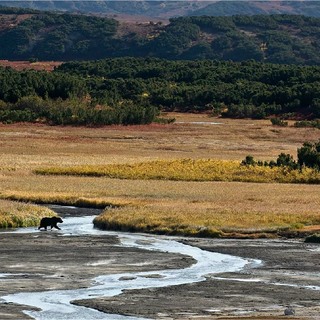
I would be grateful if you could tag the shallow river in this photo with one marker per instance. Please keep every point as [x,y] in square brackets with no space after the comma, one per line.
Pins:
[55,305]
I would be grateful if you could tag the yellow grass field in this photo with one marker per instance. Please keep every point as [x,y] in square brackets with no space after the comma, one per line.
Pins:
[207,208]
[190,170]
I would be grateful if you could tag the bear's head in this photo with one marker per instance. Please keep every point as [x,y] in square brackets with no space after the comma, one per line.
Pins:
[58,219]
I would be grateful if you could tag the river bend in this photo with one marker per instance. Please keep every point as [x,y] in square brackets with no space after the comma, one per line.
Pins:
[55,304]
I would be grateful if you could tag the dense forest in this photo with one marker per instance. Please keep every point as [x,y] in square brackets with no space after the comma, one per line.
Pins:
[283,39]
[133,90]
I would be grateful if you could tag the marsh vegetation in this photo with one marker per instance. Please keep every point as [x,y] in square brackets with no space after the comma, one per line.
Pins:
[192,170]
[18,214]
[207,208]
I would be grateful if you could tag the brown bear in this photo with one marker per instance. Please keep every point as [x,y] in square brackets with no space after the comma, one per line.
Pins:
[46,222]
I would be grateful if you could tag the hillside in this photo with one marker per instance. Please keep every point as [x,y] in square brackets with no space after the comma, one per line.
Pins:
[36,35]
[169,9]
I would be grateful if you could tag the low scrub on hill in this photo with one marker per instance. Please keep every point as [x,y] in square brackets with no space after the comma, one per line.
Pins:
[285,39]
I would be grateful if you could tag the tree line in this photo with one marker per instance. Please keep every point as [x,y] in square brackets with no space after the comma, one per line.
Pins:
[146,86]
[59,98]
[238,90]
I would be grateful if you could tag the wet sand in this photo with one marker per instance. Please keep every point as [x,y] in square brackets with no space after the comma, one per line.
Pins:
[286,277]
[48,261]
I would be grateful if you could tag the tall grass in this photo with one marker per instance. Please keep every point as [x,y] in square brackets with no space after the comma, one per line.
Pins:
[202,223]
[67,200]
[17,214]
[190,170]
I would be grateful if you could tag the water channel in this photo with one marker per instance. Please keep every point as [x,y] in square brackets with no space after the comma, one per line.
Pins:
[55,304]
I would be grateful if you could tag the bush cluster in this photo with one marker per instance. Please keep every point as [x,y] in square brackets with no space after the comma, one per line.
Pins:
[307,156]
[308,123]
[283,160]
[279,122]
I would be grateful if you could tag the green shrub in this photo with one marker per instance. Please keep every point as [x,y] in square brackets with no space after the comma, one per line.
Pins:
[308,124]
[286,160]
[309,155]
[248,161]
[279,122]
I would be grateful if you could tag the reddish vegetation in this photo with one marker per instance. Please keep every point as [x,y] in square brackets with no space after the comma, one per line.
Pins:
[9,21]
[21,65]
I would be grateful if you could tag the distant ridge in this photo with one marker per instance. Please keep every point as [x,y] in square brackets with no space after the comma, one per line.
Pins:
[168,9]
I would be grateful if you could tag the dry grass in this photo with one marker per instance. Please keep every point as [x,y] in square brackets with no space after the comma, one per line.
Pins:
[17,214]
[25,148]
[204,220]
